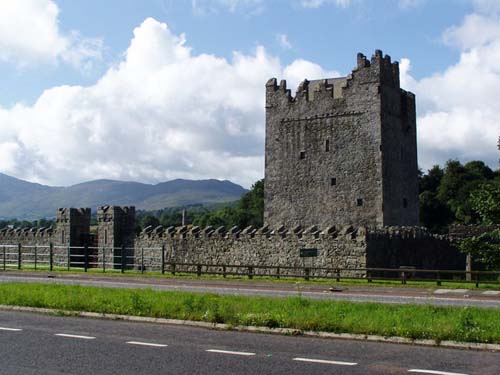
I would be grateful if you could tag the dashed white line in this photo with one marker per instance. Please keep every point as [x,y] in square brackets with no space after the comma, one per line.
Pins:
[146,344]
[491,293]
[420,371]
[10,329]
[451,291]
[75,336]
[230,352]
[329,362]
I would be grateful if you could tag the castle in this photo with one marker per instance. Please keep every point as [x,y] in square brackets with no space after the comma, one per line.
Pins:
[340,177]
[343,151]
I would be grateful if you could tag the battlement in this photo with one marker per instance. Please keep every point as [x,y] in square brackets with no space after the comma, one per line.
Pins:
[380,70]
[27,236]
[386,70]
[106,212]
[347,232]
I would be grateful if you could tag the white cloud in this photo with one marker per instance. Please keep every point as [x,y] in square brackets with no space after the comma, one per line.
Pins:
[30,34]
[476,30]
[458,113]
[283,41]
[319,3]
[161,113]
[300,69]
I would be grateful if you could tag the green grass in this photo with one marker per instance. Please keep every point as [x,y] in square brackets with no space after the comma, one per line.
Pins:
[411,321]
[450,284]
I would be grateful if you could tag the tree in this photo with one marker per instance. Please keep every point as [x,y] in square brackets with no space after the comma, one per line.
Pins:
[485,248]
[249,210]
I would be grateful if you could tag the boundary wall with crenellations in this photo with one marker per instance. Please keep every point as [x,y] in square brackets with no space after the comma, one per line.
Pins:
[334,248]
[345,248]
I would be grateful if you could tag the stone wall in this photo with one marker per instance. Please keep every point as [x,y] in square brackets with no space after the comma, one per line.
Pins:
[345,248]
[263,247]
[394,247]
[342,151]
[30,239]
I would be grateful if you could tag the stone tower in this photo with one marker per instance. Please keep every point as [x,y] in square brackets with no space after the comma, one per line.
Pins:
[73,230]
[72,227]
[116,229]
[343,151]
[115,226]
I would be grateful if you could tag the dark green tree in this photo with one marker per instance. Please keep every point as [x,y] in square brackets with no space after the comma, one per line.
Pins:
[249,210]
[485,248]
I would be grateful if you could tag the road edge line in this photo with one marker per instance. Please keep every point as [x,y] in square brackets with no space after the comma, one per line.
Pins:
[256,329]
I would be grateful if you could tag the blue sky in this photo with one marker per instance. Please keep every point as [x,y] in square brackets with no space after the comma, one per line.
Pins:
[160,89]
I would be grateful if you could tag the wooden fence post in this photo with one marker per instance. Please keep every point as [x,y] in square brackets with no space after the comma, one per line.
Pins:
[162,259]
[307,272]
[19,256]
[86,257]
[142,260]
[51,256]
[123,258]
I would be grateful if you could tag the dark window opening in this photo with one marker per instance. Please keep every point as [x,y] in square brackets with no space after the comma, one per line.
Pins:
[359,202]
[302,155]
[380,147]
[62,237]
[105,236]
[333,181]
[327,145]
[405,203]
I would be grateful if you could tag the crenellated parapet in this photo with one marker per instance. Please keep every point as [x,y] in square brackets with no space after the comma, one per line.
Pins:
[159,233]
[26,236]
[379,71]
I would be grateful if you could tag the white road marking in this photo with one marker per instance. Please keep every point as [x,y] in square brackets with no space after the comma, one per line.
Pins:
[451,291]
[229,352]
[10,329]
[325,361]
[434,372]
[491,293]
[75,336]
[146,344]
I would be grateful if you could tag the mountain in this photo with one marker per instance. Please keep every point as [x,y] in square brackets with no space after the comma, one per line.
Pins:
[25,200]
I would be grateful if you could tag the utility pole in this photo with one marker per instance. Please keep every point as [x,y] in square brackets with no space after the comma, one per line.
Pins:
[183,216]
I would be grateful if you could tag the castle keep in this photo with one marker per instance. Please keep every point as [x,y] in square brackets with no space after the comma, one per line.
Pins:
[340,178]
[342,151]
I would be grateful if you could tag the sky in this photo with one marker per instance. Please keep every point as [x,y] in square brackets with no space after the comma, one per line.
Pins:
[155,90]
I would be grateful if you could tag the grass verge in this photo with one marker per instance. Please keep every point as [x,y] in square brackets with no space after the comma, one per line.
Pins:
[411,321]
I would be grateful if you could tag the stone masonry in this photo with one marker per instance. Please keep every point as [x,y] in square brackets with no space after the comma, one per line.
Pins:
[116,231]
[342,151]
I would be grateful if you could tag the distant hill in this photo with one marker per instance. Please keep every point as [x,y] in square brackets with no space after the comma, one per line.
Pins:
[25,200]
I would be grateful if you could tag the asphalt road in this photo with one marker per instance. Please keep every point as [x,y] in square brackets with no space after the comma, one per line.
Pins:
[441,297]
[42,344]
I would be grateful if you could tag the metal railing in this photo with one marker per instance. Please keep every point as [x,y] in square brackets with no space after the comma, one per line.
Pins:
[125,259]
